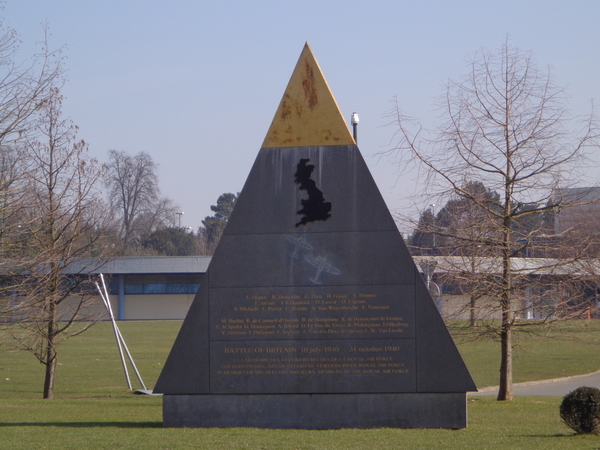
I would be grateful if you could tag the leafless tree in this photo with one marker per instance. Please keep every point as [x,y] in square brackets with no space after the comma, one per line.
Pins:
[465,229]
[61,222]
[24,86]
[135,196]
[163,214]
[49,212]
[505,126]
[208,239]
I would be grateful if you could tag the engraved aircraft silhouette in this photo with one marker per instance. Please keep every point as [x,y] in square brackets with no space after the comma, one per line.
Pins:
[299,243]
[321,263]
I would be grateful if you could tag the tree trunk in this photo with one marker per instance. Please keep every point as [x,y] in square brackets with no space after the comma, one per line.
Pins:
[473,288]
[505,391]
[50,372]
[50,361]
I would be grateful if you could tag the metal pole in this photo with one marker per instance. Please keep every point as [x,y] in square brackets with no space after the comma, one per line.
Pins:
[354,121]
[115,329]
[137,373]
[121,296]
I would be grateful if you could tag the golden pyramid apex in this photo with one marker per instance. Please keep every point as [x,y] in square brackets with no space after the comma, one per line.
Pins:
[308,114]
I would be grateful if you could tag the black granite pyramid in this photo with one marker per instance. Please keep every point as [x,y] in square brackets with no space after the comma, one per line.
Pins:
[312,299]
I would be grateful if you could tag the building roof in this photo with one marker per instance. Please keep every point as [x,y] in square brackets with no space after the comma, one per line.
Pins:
[519,266]
[141,265]
[156,264]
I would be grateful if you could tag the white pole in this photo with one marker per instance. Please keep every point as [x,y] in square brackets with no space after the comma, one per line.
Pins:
[137,373]
[115,329]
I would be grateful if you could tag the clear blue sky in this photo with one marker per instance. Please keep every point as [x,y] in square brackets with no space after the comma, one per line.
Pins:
[196,83]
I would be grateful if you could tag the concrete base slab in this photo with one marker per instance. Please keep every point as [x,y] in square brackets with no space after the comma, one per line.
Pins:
[316,411]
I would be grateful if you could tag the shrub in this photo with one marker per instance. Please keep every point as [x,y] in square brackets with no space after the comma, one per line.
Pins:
[580,410]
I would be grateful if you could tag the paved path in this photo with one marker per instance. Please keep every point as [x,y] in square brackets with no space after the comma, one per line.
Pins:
[558,387]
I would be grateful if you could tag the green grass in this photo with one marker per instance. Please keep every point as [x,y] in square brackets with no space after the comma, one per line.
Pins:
[134,422]
[94,410]
[89,364]
[564,350]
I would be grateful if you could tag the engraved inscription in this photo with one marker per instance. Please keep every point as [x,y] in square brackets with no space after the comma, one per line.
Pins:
[347,365]
[312,339]
[311,313]
[324,360]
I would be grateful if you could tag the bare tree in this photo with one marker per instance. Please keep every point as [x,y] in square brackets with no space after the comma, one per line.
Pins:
[135,196]
[505,127]
[62,219]
[24,86]
[133,188]
[12,166]
[162,215]
[207,239]
[464,230]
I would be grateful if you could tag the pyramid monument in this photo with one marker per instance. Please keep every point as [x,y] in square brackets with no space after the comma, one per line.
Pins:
[312,313]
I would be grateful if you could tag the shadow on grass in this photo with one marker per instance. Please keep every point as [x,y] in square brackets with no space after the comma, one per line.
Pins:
[557,435]
[84,424]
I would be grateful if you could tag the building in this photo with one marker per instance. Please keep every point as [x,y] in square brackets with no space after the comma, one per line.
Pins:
[580,210]
[151,288]
[542,286]
[140,288]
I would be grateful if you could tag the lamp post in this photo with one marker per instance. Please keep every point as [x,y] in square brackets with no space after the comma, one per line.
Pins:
[354,121]
[181,213]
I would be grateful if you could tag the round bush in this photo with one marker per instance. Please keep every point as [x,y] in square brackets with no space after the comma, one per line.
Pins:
[580,410]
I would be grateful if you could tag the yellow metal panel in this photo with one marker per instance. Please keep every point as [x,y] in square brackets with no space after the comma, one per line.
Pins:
[308,114]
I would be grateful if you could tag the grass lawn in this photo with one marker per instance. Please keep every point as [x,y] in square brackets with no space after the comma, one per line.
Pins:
[94,410]
[567,349]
